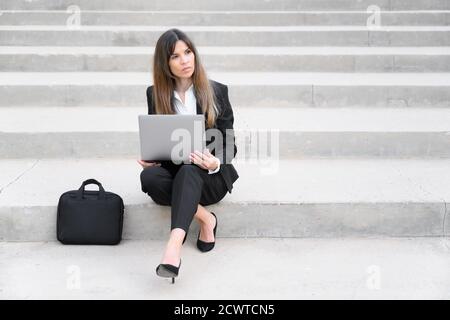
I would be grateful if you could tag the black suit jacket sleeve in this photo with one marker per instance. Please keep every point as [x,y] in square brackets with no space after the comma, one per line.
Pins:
[151,108]
[224,123]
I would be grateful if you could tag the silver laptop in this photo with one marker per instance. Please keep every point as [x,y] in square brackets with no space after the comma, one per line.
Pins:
[171,137]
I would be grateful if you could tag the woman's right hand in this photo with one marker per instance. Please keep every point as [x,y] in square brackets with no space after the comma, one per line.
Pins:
[147,164]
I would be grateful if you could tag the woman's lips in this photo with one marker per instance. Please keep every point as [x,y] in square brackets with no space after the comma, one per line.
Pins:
[186,69]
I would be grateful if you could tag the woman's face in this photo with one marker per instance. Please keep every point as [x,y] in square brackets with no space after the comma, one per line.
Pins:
[182,60]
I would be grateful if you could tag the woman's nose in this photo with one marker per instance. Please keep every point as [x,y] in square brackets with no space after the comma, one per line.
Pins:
[184,59]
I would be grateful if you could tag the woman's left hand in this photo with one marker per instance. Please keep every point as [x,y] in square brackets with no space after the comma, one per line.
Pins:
[204,160]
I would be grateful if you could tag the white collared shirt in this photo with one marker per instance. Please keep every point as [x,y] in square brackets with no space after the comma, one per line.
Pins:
[190,107]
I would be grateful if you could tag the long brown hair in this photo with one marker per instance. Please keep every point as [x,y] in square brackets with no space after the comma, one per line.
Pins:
[164,80]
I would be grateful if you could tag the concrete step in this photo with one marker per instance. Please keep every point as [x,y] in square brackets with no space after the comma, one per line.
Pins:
[228,5]
[307,198]
[227,35]
[231,59]
[294,133]
[249,89]
[312,269]
[225,18]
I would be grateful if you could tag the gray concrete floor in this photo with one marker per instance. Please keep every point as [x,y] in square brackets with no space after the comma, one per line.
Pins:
[394,268]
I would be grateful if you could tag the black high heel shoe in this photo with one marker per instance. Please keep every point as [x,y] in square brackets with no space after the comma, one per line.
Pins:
[207,246]
[168,271]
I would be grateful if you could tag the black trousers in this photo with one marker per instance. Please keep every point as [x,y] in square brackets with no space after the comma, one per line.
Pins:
[182,187]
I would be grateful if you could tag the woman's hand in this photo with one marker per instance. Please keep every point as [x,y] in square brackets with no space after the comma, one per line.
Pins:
[147,164]
[204,160]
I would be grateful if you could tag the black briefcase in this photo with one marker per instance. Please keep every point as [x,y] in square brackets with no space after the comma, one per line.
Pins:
[90,217]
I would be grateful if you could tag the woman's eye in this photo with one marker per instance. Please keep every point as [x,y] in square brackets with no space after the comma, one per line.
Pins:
[187,52]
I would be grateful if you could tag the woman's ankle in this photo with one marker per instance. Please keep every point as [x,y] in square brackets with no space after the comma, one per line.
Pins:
[171,256]
[172,252]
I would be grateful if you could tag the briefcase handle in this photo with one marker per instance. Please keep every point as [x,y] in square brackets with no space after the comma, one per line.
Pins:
[101,191]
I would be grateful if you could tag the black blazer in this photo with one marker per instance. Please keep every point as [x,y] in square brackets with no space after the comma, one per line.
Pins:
[224,121]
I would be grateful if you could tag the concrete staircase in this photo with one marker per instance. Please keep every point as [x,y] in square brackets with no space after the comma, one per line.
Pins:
[362,113]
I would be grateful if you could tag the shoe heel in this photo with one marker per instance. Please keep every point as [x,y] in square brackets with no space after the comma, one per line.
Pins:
[168,271]
[207,246]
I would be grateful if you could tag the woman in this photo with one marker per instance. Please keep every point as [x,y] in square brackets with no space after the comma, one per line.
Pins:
[181,86]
